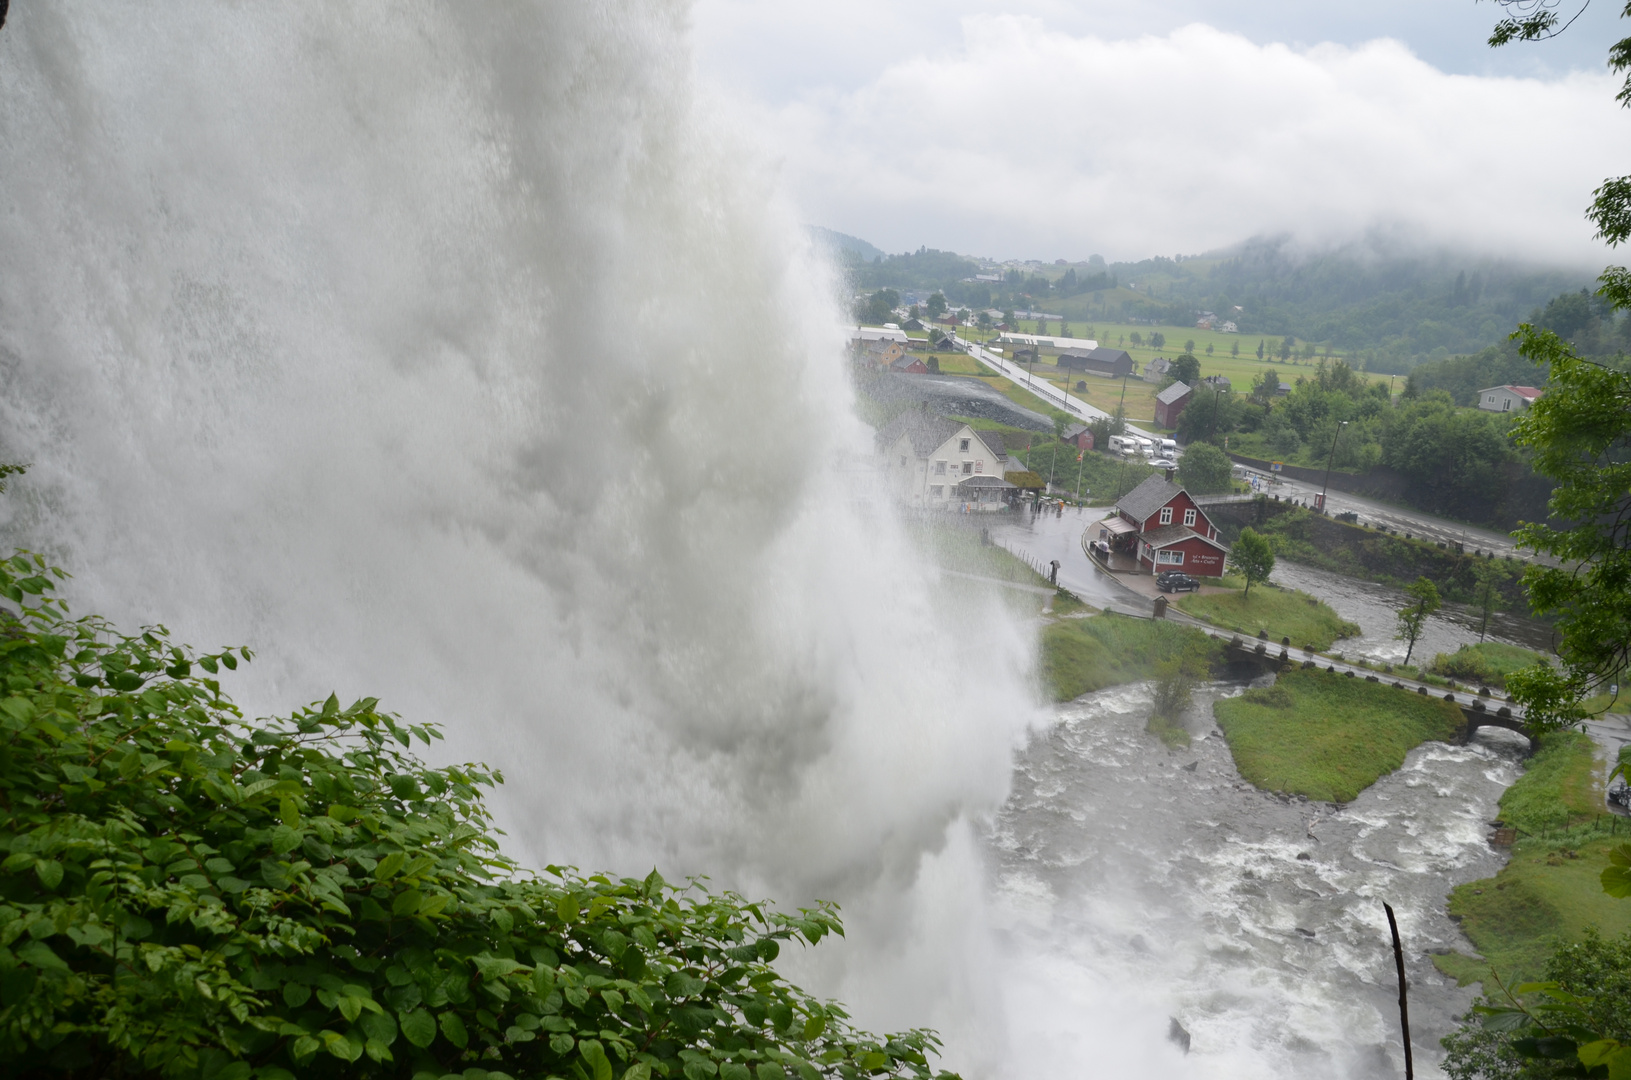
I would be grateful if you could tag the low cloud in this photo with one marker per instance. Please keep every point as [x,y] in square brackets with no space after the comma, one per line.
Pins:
[1029,142]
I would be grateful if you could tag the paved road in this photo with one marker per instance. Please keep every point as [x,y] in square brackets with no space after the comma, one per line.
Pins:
[1041,387]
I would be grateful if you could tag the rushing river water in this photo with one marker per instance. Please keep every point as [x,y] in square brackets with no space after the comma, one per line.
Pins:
[1135,882]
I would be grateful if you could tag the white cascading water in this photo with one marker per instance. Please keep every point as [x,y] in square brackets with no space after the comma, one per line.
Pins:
[447,353]
[453,354]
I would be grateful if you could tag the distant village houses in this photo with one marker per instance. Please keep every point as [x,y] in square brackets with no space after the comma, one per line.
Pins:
[886,332]
[1157,369]
[1508,398]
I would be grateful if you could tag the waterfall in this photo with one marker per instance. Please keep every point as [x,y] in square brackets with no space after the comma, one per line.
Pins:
[461,355]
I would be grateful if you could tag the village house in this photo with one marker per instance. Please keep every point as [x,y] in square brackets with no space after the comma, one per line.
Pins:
[1157,369]
[1080,436]
[940,464]
[887,332]
[882,354]
[1106,362]
[1165,529]
[910,365]
[1508,398]
[1170,402]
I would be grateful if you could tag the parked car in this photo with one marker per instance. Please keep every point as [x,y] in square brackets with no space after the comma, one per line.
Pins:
[1175,581]
[1164,463]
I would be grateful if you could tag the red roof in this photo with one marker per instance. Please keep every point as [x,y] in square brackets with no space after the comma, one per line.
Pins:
[1527,391]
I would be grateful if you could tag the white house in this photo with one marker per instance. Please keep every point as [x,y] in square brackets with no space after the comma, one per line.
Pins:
[886,332]
[942,464]
[1507,398]
[1048,341]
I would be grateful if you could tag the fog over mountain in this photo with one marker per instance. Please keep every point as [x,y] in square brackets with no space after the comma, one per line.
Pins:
[1022,139]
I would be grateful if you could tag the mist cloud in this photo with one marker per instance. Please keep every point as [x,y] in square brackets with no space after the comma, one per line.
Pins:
[1036,143]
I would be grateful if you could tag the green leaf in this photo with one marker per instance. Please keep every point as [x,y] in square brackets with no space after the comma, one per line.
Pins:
[814,1026]
[418,1027]
[770,1070]
[594,1053]
[561,1044]
[295,995]
[732,1070]
[453,1029]
[341,1047]
[49,871]
[285,839]
[406,902]
[39,954]
[304,1049]
[389,866]
[613,1000]
[289,812]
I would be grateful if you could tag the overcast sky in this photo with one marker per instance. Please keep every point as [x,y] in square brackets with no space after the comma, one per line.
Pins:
[1062,128]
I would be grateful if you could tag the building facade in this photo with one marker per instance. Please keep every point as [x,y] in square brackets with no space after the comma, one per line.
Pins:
[1508,398]
[940,464]
[1160,524]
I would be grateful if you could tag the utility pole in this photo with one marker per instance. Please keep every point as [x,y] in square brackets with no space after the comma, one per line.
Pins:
[1333,456]
[1217,395]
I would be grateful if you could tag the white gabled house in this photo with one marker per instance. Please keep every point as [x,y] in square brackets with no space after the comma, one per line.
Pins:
[1508,398]
[940,464]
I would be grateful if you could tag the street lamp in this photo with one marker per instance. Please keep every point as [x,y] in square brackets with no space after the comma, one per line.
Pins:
[1333,456]
[1217,395]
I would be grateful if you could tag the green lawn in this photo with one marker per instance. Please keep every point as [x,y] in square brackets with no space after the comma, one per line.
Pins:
[1328,736]
[1486,663]
[1080,656]
[1549,892]
[1283,613]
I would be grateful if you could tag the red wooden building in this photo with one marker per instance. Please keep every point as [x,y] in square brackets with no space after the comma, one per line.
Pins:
[1165,529]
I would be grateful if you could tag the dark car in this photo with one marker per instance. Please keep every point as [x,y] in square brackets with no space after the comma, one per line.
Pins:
[1175,581]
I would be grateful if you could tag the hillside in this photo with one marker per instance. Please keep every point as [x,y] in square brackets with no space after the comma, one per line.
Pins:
[1386,311]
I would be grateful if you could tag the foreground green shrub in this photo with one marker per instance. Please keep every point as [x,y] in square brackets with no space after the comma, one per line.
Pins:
[185,894]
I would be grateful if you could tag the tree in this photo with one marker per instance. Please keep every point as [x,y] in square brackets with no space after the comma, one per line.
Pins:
[1136,337]
[877,308]
[1266,387]
[1042,327]
[1209,348]
[1261,349]
[1234,348]
[1205,470]
[933,364]
[1286,346]
[1253,556]
[1488,575]
[1158,340]
[1186,369]
[937,305]
[189,894]
[1189,346]
[1064,328]
[1424,600]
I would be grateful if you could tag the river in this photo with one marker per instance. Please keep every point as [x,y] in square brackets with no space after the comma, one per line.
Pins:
[1132,882]
[1131,886]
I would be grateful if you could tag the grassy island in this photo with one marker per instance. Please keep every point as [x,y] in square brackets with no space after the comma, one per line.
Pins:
[1328,736]
[1550,891]
[1080,656]
[1283,613]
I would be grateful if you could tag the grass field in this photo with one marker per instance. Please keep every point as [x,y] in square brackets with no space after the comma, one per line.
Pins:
[1327,736]
[1485,663]
[1283,613]
[1080,656]
[1549,892]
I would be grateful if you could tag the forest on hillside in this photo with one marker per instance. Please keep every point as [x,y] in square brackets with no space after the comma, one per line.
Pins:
[1386,312]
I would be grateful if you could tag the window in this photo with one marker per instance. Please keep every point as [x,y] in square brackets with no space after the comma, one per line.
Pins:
[1166,515]
[940,468]
[1173,558]
[962,446]
[968,468]
[903,461]
[1189,518]
[939,490]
